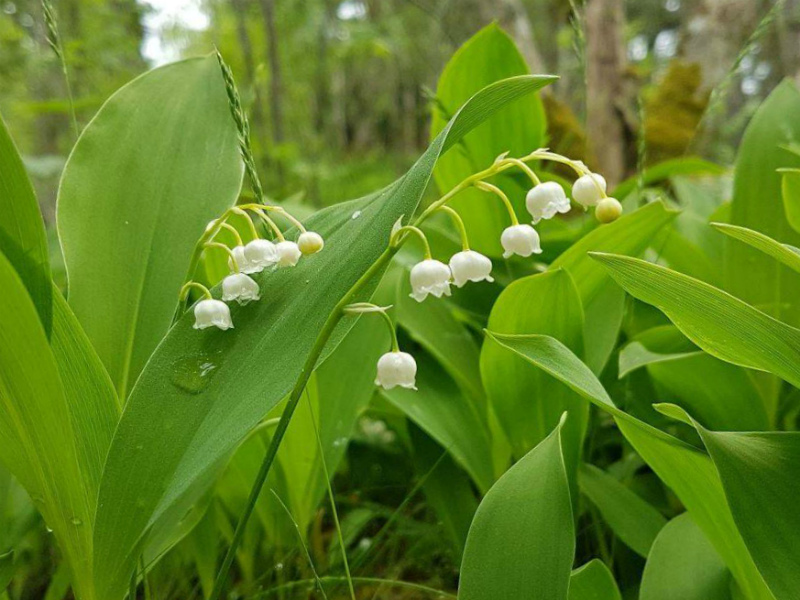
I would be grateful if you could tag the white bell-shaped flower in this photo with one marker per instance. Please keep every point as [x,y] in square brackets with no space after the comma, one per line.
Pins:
[288,253]
[259,254]
[212,313]
[585,191]
[239,287]
[469,265]
[396,369]
[430,277]
[310,242]
[521,240]
[241,261]
[545,200]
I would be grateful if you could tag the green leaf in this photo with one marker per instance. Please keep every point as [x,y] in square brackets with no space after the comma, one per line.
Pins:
[783,253]
[489,56]
[757,205]
[683,565]
[6,569]
[717,322]
[602,302]
[631,518]
[156,164]
[521,543]
[22,236]
[202,391]
[653,346]
[593,581]
[760,473]
[40,442]
[529,403]
[689,472]
[690,165]
[790,192]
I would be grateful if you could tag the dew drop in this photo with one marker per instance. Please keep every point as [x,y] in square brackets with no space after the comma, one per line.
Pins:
[193,374]
[76,521]
[49,530]
[355,215]
[279,567]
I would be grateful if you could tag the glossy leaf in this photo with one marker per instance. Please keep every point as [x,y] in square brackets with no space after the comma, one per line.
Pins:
[652,346]
[749,275]
[630,517]
[790,191]
[783,253]
[156,164]
[22,235]
[602,303]
[204,390]
[489,56]
[761,477]
[529,403]
[522,542]
[593,581]
[689,472]
[717,322]
[683,565]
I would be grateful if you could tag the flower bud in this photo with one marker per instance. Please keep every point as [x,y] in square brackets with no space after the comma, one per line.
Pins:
[470,266]
[521,240]
[310,242]
[239,287]
[608,210]
[396,369]
[212,313]
[259,254]
[430,277]
[585,189]
[288,253]
[545,200]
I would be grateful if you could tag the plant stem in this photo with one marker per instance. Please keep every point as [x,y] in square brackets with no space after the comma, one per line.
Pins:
[291,405]
[459,223]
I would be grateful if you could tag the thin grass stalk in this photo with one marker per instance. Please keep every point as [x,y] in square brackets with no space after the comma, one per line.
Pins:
[54,39]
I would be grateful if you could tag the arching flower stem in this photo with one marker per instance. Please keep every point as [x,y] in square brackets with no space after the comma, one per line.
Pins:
[459,223]
[228,227]
[488,187]
[228,251]
[252,226]
[397,238]
[193,284]
[525,168]
[368,308]
[259,209]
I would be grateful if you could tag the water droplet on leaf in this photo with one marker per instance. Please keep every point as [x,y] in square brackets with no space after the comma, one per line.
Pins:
[193,374]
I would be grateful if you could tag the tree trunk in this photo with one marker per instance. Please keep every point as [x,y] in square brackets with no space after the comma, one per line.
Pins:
[605,63]
[513,18]
[275,78]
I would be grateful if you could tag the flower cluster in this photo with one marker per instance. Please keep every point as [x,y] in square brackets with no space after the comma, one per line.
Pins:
[245,260]
[431,277]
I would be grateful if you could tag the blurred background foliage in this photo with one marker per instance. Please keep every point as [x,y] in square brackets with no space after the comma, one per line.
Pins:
[339,91]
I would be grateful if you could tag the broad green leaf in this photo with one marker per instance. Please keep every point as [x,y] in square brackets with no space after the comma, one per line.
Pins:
[631,518]
[689,472]
[17,514]
[720,324]
[683,565]
[593,581]
[783,253]
[760,473]
[489,56]
[157,163]
[529,403]
[690,165]
[655,345]
[6,569]
[446,414]
[38,432]
[521,543]
[749,275]
[22,235]
[721,394]
[602,303]
[202,391]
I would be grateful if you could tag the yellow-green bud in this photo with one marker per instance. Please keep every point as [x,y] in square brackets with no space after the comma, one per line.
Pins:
[608,210]
[310,242]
